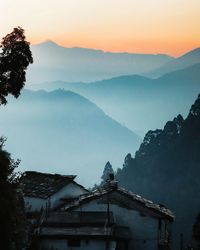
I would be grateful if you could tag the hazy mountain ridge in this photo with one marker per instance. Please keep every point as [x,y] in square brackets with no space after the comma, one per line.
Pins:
[166,169]
[53,62]
[63,132]
[188,59]
[139,102]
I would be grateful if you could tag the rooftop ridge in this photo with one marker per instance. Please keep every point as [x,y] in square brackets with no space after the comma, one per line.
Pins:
[159,208]
[50,174]
[43,185]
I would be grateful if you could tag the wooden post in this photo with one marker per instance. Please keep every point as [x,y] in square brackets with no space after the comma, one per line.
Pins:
[108,209]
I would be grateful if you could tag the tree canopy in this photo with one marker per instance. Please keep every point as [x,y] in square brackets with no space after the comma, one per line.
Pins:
[107,170]
[196,229]
[15,57]
[11,209]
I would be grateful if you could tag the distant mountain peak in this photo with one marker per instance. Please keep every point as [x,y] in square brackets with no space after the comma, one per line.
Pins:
[186,60]
[48,43]
[192,53]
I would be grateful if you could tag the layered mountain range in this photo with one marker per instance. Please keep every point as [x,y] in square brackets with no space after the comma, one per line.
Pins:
[63,132]
[77,126]
[138,102]
[184,61]
[56,63]
[53,62]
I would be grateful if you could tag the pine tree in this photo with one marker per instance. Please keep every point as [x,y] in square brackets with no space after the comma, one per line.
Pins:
[107,170]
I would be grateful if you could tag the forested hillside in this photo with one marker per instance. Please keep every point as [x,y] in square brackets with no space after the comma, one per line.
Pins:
[166,169]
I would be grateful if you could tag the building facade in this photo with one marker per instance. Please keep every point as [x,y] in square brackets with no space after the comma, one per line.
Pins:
[49,191]
[128,222]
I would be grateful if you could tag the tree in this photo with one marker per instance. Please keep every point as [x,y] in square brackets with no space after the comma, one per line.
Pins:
[15,56]
[196,229]
[128,160]
[14,60]
[107,170]
[11,203]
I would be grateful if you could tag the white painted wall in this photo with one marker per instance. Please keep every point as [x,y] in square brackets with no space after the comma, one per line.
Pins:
[144,230]
[85,245]
[33,204]
[72,190]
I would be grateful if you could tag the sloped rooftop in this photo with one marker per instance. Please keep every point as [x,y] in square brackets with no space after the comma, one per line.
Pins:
[43,185]
[126,199]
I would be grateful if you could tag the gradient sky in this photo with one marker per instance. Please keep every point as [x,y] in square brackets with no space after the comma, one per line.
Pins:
[142,26]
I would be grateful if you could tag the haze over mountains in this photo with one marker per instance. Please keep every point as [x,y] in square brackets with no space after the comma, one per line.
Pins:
[186,60]
[53,62]
[69,133]
[65,133]
[138,102]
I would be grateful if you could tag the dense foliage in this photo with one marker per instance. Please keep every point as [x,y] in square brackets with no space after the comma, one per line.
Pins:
[166,169]
[15,57]
[196,229]
[106,172]
[11,203]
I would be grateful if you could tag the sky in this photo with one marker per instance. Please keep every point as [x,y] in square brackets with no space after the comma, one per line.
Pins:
[141,26]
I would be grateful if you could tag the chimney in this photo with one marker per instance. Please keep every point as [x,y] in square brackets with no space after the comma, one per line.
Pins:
[113,184]
[111,176]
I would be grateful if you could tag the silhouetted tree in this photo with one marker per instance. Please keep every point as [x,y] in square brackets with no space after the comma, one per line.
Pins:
[14,60]
[127,161]
[107,170]
[15,56]
[11,203]
[196,229]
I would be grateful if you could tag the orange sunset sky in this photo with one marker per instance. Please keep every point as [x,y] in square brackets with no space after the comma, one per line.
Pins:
[141,26]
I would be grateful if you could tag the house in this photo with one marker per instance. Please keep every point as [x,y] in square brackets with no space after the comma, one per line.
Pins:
[48,191]
[108,218]
[80,230]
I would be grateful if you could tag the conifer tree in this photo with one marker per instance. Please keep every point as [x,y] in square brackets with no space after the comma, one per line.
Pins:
[107,170]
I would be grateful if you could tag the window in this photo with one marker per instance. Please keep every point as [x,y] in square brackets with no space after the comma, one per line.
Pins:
[74,243]
[87,242]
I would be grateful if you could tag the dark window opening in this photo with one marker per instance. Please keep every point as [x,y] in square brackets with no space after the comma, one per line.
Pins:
[74,243]
[87,242]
